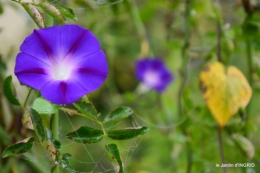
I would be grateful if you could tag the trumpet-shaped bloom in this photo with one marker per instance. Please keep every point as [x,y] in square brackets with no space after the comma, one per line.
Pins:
[153,73]
[63,62]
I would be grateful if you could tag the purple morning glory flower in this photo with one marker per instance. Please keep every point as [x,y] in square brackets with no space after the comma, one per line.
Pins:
[153,73]
[63,62]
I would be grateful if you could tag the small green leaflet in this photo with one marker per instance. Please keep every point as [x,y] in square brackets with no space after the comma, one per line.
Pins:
[52,11]
[87,109]
[114,156]
[86,134]
[37,124]
[66,12]
[127,133]
[9,91]
[118,114]
[19,147]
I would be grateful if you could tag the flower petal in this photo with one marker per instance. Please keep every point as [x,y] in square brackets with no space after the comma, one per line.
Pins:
[61,39]
[166,79]
[92,71]
[64,62]
[32,71]
[153,73]
[63,92]
[32,45]
[90,80]
[96,60]
[86,44]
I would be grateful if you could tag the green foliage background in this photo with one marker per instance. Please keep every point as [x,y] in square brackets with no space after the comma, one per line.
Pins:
[122,28]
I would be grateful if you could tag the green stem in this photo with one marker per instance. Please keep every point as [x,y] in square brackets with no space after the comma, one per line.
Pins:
[221,150]
[139,27]
[137,19]
[55,132]
[219,41]
[216,8]
[249,59]
[184,66]
[184,75]
[250,68]
[27,97]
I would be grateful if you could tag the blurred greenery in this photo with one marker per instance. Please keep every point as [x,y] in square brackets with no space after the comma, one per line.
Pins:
[132,29]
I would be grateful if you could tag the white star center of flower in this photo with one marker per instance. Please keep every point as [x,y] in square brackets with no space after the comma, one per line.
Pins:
[151,78]
[61,72]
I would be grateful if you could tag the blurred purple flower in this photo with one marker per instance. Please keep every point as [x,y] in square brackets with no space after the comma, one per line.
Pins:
[153,73]
[63,62]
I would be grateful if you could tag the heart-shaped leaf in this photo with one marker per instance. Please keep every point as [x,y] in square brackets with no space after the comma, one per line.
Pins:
[224,90]
[19,147]
[86,134]
[43,106]
[114,157]
[118,114]
[127,133]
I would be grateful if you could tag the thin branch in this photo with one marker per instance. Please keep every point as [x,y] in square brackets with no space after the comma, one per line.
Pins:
[184,75]
[249,10]
[219,33]
[27,97]
[221,150]
[218,29]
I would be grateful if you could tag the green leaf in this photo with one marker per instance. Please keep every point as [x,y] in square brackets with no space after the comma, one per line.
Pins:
[87,109]
[19,147]
[128,133]
[245,145]
[52,11]
[34,13]
[66,156]
[43,106]
[114,156]
[57,144]
[9,91]
[37,124]
[86,134]
[65,163]
[118,114]
[66,12]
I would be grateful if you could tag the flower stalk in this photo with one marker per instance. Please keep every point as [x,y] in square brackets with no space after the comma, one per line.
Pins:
[55,132]
[27,97]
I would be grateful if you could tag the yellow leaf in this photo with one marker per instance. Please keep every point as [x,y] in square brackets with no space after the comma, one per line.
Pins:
[224,90]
